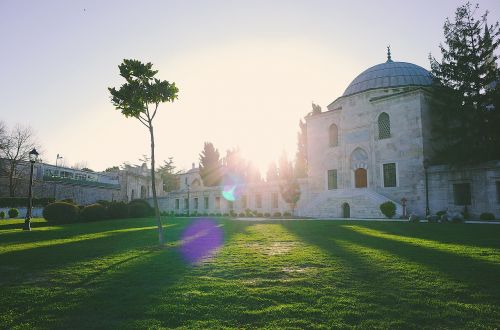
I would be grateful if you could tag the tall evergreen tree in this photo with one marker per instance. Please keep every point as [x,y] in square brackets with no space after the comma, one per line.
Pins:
[289,187]
[169,175]
[272,172]
[300,167]
[465,116]
[210,165]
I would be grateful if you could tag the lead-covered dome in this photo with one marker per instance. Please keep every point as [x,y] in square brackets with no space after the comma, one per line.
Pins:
[389,74]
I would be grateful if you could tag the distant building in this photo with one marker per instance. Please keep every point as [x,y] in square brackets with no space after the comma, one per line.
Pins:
[83,187]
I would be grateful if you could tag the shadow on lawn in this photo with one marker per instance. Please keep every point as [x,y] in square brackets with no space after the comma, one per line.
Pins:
[416,274]
[121,290]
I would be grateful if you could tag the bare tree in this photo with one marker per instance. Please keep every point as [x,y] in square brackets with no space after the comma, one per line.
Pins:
[16,147]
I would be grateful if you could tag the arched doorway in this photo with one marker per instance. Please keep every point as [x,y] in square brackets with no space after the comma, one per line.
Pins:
[360,178]
[143,192]
[346,210]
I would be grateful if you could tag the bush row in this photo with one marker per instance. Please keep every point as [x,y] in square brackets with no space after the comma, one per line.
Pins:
[12,213]
[68,212]
[23,201]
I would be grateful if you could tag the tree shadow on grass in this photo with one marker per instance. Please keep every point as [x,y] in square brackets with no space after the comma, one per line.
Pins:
[119,292]
[413,280]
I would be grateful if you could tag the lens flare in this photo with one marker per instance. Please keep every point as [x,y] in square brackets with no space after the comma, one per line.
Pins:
[200,240]
[232,185]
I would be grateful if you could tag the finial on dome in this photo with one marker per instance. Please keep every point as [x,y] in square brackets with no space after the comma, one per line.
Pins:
[389,54]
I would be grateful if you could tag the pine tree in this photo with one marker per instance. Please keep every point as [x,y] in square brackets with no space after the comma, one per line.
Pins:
[465,116]
[301,155]
[289,187]
[210,165]
[272,172]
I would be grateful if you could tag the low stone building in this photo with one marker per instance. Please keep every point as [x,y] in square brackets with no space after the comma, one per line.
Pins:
[83,187]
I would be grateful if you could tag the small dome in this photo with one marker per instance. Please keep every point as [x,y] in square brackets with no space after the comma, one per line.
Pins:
[389,74]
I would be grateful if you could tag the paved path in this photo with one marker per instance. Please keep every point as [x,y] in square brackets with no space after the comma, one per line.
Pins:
[357,219]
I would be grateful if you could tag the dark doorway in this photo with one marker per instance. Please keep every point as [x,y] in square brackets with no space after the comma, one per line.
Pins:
[360,178]
[346,210]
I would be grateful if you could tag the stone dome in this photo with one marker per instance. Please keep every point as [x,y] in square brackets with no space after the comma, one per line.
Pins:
[389,74]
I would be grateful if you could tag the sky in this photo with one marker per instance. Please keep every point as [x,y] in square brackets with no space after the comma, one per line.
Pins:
[247,71]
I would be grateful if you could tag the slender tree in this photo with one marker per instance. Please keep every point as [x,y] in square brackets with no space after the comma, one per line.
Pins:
[466,119]
[139,97]
[210,165]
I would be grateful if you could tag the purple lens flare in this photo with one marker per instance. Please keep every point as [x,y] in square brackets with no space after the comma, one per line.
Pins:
[201,239]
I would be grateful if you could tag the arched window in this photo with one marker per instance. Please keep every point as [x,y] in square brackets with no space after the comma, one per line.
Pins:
[384,126]
[334,135]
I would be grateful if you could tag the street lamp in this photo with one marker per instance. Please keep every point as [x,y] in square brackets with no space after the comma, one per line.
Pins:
[426,166]
[33,156]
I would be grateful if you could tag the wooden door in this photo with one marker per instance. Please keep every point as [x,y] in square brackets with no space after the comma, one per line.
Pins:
[360,178]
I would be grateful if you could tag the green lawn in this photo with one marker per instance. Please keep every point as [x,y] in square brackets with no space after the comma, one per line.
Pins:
[280,274]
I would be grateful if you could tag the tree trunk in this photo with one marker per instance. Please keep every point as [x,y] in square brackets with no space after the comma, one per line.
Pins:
[161,238]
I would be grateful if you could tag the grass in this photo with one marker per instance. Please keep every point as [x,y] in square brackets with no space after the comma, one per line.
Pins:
[244,274]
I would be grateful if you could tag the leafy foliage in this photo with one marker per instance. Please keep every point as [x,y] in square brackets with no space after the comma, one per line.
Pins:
[93,212]
[117,210]
[300,167]
[134,98]
[487,216]
[23,201]
[61,212]
[466,105]
[139,208]
[388,209]
[169,175]
[210,165]
[13,213]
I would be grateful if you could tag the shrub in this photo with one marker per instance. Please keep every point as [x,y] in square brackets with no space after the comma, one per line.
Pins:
[2,214]
[440,213]
[68,200]
[103,203]
[117,210]
[232,213]
[277,214]
[457,218]
[432,218]
[226,214]
[414,218]
[93,212]
[388,209]
[13,213]
[487,216]
[267,215]
[444,218]
[465,213]
[287,214]
[61,212]
[241,214]
[259,214]
[139,208]
[218,214]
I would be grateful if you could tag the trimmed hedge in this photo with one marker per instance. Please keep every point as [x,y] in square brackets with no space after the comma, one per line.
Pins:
[2,214]
[139,208]
[93,212]
[61,212]
[13,213]
[23,201]
[117,210]
[388,209]
[487,216]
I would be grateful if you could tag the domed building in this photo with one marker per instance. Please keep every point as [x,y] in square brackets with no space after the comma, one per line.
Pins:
[367,148]
[370,145]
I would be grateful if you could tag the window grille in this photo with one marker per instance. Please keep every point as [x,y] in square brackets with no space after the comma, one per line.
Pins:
[384,126]
[332,179]
[389,175]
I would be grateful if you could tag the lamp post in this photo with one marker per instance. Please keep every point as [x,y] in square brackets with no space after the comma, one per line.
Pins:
[33,156]
[426,166]
[54,179]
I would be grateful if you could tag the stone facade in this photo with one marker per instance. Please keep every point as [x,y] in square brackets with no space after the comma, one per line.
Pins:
[193,196]
[84,187]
